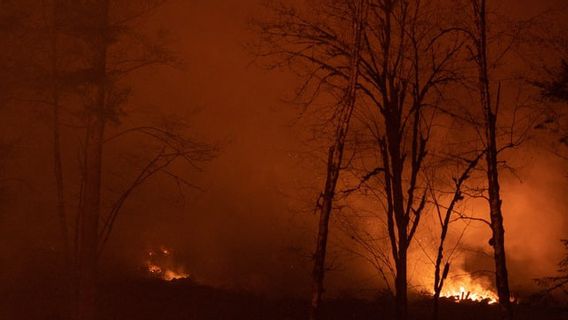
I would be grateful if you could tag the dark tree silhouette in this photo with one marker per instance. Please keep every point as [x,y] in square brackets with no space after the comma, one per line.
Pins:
[406,58]
[556,88]
[490,108]
[440,274]
[292,29]
[335,159]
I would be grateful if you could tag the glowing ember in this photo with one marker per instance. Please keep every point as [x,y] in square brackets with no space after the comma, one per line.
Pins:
[466,289]
[160,264]
[170,275]
[154,269]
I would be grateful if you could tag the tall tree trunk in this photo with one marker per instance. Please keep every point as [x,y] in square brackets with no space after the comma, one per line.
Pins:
[401,240]
[401,306]
[498,240]
[90,213]
[67,278]
[89,220]
[439,275]
[57,161]
[438,285]
[401,301]
[334,162]
[318,272]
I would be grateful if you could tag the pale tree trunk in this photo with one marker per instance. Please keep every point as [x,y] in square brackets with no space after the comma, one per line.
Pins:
[90,211]
[334,162]
[498,240]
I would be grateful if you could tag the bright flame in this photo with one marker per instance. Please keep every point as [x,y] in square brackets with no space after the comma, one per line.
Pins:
[154,269]
[467,289]
[170,275]
[160,264]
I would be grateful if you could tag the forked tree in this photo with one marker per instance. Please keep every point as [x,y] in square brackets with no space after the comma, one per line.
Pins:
[490,105]
[410,58]
[353,17]
[335,159]
[106,51]
[406,58]
[445,214]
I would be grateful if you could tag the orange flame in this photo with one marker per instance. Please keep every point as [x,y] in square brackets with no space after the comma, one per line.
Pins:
[170,275]
[160,264]
[468,289]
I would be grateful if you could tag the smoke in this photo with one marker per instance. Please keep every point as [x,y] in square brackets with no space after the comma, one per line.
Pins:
[535,214]
[246,226]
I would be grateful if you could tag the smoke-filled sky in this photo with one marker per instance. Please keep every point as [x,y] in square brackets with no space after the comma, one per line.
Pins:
[247,225]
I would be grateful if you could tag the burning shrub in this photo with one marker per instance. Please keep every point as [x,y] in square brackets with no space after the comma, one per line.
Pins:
[160,263]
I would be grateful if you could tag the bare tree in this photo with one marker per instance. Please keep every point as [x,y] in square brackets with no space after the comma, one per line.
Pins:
[440,274]
[106,51]
[555,88]
[415,61]
[554,92]
[490,111]
[83,54]
[290,39]
[335,160]
[406,58]
[97,39]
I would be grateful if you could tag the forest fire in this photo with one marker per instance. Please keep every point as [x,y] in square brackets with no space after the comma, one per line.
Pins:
[284,159]
[160,264]
[467,289]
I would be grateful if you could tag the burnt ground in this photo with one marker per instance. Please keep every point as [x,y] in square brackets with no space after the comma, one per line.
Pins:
[182,299]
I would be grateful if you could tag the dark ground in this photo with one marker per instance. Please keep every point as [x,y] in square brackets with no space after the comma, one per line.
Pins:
[184,300]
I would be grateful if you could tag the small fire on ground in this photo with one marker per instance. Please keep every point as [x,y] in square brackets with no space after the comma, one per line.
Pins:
[467,289]
[160,264]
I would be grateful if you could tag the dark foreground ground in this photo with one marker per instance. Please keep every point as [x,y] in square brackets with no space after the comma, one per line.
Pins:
[184,300]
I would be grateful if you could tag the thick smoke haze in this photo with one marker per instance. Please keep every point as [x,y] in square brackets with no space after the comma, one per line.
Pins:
[249,222]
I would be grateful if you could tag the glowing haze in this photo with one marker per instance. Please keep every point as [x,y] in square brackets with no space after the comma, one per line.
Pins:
[251,224]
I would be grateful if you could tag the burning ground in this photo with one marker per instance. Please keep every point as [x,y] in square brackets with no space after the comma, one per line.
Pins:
[152,298]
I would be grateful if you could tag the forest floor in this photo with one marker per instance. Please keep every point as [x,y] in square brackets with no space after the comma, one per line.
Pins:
[184,300]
